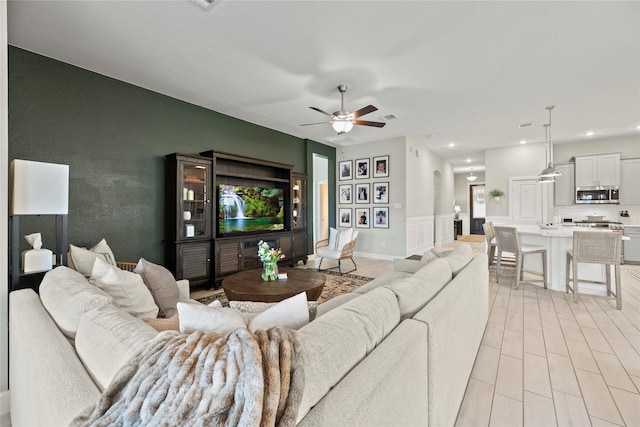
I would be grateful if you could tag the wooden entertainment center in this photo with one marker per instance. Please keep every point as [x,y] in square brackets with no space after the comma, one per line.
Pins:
[194,236]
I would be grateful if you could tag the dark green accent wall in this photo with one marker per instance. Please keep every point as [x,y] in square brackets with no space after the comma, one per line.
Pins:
[114,137]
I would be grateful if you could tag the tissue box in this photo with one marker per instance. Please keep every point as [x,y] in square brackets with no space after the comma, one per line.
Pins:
[37,260]
[189,230]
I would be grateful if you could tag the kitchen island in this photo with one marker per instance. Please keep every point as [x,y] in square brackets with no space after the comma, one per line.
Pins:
[557,242]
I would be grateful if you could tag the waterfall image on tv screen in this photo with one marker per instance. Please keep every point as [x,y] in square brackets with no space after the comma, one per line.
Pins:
[244,209]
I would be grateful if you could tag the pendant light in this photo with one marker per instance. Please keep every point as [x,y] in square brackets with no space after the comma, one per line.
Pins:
[550,172]
[471,176]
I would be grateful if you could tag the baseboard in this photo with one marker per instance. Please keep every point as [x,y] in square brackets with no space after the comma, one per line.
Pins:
[5,403]
[376,256]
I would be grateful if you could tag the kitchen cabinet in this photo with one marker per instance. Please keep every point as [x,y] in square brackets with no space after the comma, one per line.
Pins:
[564,187]
[632,246]
[630,182]
[598,171]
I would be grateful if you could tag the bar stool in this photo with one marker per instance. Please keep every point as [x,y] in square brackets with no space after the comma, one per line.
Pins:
[508,241]
[490,238]
[597,248]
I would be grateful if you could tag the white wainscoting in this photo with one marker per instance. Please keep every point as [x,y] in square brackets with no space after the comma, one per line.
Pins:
[444,227]
[419,235]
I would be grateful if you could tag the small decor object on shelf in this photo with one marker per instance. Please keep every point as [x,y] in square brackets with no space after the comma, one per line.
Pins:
[269,258]
[495,194]
[36,259]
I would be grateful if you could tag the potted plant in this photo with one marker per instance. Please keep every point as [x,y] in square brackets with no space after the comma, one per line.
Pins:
[495,194]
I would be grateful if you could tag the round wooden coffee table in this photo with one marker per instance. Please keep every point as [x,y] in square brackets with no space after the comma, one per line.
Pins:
[248,285]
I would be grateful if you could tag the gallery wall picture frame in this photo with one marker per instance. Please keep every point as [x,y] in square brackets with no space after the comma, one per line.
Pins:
[362,193]
[381,167]
[344,217]
[362,168]
[345,170]
[380,217]
[346,193]
[380,192]
[362,218]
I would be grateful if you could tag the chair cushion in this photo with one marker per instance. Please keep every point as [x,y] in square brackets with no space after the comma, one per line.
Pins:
[344,238]
[333,238]
[325,252]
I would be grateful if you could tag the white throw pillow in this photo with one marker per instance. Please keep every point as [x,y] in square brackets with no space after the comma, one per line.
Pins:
[290,313]
[334,236]
[126,288]
[344,238]
[82,259]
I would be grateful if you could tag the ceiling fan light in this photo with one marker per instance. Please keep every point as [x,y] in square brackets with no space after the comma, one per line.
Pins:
[549,172]
[471,177]
[342,126]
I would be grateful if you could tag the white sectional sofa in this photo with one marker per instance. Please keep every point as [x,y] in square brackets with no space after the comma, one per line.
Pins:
[398,351]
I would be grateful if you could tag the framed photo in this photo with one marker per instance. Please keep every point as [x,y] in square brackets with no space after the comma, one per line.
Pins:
[380,217]
[345,168]
[380,192]
[362,193]
[345,217]
[362,218]
[381,167]
[345,193]
[362,168]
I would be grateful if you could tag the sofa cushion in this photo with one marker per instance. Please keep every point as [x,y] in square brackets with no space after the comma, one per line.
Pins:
[335,302]
[66,294]
[126,288]
[82,259]
[411,265]
[107,338]
[428,256]
[385,279]
[416,291]
[162,285]
[337,341]
[255,307]
[459,258]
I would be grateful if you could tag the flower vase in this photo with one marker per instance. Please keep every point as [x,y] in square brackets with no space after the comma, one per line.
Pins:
[269,271]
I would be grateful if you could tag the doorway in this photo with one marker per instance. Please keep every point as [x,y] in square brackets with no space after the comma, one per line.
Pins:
[436,204]
[477,208]
[320,197]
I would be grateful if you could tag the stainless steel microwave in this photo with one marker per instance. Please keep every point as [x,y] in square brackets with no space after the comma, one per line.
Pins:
[589,195]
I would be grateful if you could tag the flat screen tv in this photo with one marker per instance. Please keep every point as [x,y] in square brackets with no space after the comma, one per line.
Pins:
[244,209]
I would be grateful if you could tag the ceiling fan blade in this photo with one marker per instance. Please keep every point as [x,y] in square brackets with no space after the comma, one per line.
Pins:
[364,110]
[318,123]
[367,123]
[320,111]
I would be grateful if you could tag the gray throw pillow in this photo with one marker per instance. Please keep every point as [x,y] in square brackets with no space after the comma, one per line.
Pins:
[162,285]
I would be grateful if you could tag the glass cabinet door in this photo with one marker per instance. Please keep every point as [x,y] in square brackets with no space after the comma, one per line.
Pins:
[195,203]
[298,199]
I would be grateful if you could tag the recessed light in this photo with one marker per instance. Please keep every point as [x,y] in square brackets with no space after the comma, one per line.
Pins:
[523,142]
[638,127]
[468,160]
[590,133]
[451,145]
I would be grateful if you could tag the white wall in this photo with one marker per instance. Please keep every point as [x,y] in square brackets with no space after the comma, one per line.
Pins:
[4,241]
[628,146]
[380,242]
[461,189]
[503,163]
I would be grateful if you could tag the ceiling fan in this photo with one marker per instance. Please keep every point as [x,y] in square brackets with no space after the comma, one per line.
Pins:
[342,120]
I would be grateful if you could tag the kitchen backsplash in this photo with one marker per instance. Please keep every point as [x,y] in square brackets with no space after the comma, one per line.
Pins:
[610,212]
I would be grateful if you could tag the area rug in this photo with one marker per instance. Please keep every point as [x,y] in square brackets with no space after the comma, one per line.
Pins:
[472,238]
[335,284]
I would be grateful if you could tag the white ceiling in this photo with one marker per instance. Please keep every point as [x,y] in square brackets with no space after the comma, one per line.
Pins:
[451,71]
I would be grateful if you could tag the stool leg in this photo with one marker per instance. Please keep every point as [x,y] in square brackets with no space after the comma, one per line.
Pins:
[498,262]
[518,269]
[618,288]
[608,276]
[566,276]
[544,268]
[575,281]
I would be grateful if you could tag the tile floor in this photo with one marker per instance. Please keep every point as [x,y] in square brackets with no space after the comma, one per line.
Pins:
[546,361]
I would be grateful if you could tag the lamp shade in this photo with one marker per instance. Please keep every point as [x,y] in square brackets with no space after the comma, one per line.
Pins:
[39,188]
[457,209]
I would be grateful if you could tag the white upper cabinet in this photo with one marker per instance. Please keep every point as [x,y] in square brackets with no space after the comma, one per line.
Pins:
[630,184]
[564,191]
[602,170]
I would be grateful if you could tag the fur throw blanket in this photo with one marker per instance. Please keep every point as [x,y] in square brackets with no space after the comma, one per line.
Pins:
[204,379]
